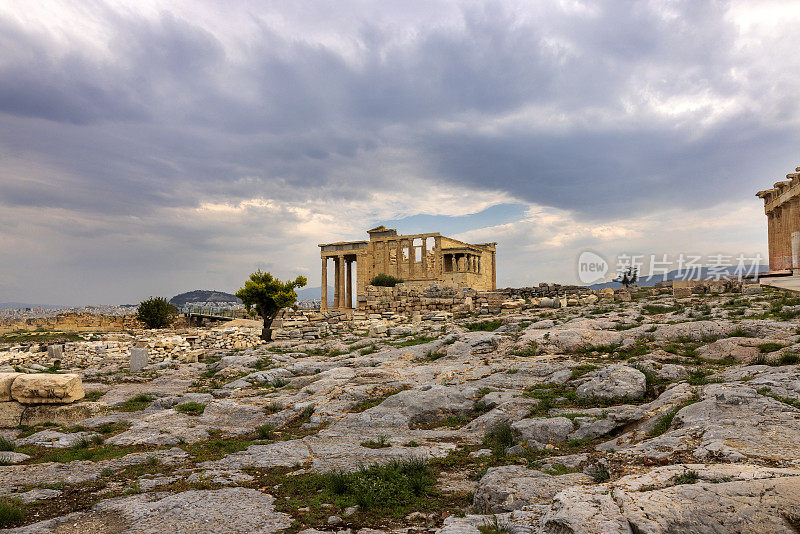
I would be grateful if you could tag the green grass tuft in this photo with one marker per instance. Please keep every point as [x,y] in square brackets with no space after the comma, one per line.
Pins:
[191,408]
[134,404]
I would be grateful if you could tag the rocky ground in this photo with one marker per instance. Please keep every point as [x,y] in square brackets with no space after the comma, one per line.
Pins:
[651,416]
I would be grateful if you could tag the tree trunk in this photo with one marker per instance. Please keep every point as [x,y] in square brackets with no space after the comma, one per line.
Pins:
[266,332]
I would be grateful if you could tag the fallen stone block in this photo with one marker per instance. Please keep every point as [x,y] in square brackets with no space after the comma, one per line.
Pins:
[10,414]
[6,380]
[61,414]
[43,388]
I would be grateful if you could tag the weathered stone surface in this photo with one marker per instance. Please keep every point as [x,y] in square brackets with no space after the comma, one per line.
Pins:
[8,457]
[61,414]
[544,429]
[57,440]
[41,388]
[138,359]
[739,349]
[511,487]
[735,499]
[613,382]
[10,414]
[5,385]
[224,510]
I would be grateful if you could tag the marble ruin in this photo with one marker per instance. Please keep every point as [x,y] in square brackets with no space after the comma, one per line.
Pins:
[419,259]
[782,206]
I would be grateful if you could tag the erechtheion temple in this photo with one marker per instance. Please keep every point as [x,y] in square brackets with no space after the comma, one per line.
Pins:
[782,206]
[418,259]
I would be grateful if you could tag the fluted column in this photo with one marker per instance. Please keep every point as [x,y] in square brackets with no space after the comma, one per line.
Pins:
[323,304]
[342,291]
[336,293]
[348,288]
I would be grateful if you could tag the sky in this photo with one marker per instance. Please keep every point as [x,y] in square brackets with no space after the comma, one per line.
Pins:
[155,147]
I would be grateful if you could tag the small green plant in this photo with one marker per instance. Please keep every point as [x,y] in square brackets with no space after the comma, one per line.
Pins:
[191,408]
[12,511]
[601,475]
[493,527]
[499,438]
[411,443]
[156,312]
[687,477]
[764,348]
[740,332]
[532,349]
[381,443]
[393,487]
[265,431]
[272,408]
[7,444]
[484,326]
[385,280]
[789,358]
[134,404]
[698,377]
[92,396]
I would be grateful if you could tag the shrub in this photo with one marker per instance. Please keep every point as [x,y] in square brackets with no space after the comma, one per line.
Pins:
[191,408]
[11,511]
[265,431]
[499,438]
[770,347]
[385,280]
[392,487]
[687,477]
[156,312]
[789,358]
[601,475]
[7,445]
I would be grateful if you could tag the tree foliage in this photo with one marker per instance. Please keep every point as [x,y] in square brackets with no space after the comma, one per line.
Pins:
[385,280]
[628,276]
[156,312]
[266,294]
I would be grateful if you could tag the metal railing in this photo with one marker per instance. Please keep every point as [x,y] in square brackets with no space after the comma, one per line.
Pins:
[211,311]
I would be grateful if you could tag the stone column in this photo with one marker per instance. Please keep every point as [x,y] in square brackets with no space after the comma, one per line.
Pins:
[794,226]
[494,272]
[348,289]
[399,256]
[411,257]
[342,292]
[424,255]
[323,304]
[336,294]
[771,239]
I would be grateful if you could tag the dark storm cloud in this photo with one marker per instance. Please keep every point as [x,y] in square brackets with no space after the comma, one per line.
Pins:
[170,117]
[603,109]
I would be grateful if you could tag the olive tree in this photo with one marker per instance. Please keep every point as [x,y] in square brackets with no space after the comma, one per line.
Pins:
[156,312]
[268,295]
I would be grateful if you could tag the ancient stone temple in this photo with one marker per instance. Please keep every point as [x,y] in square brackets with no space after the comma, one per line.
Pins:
[782,206]
[419,259]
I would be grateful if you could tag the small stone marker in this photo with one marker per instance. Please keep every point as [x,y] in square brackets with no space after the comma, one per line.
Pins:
[138,359]
[55,351]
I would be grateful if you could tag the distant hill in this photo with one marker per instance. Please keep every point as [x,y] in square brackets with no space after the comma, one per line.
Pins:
[313,293]
[203,295]
[17,305]
[700,274]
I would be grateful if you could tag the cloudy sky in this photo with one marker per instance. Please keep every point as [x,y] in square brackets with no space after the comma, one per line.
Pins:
[153,147]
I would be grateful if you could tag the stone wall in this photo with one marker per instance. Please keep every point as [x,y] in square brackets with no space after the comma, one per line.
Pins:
[69,322]
[116,347]
[384,308]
